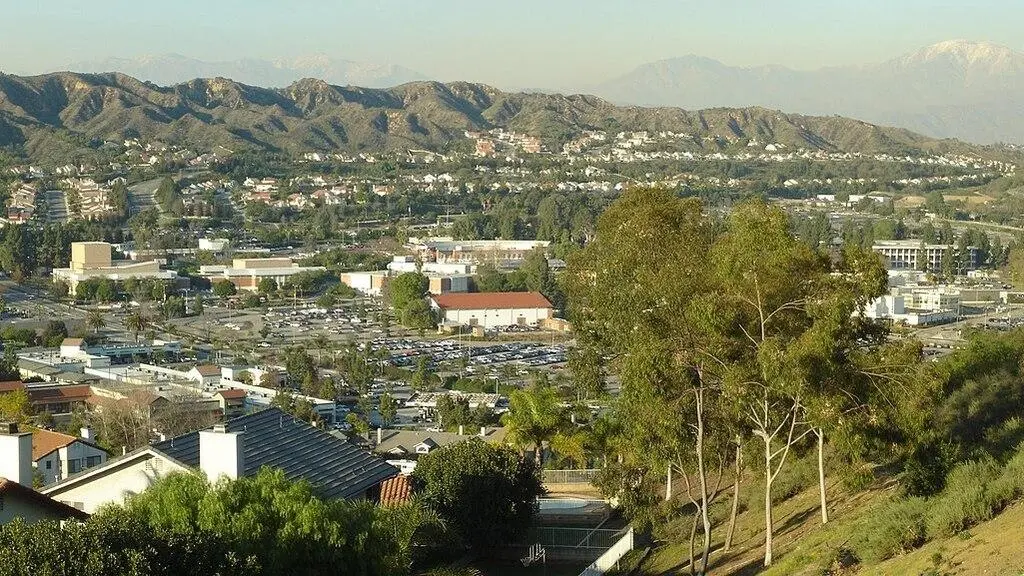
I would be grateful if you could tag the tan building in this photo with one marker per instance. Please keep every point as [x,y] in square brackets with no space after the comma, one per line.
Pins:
[246,273]
[92,260]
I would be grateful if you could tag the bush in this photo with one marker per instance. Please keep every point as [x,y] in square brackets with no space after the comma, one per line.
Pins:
[966,500]
[893,529]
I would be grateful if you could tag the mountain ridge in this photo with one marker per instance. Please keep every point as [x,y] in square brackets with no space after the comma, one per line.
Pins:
[958,88]
[172,68]
[61,113]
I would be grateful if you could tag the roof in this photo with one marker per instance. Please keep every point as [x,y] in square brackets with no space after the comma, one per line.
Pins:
[72,342]
[46,441]
[208,370]
[11,386]
[398,441]
[334,467]
[7,487]
[231,393]
[491,300]
[395,490]
[58,393]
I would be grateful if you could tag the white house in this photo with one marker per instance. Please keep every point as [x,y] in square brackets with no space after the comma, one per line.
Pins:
[493,309]
[57,456]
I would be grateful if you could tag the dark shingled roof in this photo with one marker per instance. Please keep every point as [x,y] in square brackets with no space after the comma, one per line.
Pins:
[334,467]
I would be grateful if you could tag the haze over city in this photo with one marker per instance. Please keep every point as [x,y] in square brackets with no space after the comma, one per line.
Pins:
[569,44]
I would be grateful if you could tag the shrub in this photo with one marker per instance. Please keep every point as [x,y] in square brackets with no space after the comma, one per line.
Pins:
[893,529]
[966,499]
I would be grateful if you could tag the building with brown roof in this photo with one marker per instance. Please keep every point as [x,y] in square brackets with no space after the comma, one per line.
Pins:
[232,402]
[492,309]
[57,455]
[25,504]
[58,399]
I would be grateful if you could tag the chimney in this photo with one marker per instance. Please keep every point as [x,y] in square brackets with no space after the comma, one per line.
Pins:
[380,435]
[221,453]
[462,430]
[15,454]
[87,433]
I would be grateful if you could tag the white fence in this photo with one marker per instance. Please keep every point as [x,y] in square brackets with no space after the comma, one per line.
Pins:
[584,476]
[611,557]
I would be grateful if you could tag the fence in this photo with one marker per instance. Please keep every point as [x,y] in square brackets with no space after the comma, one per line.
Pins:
[554,537]
[569,476]
[611,557]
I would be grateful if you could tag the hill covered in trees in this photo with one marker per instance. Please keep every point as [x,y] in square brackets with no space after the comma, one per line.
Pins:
[66,111]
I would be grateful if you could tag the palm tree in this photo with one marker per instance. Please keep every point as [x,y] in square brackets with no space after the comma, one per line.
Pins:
[136,323]
[534,416]
[95,320]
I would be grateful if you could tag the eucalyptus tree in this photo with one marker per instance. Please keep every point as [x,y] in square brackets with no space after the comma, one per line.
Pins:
[640,293]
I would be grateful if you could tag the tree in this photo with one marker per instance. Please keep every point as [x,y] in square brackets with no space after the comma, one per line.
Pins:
[406,293]
[54,333]
[534,416]
[15,406]
[95,320]
[267,286]
[224,288]
[489,279]
[197,305]
[136,323]
[485,494]
[388,409]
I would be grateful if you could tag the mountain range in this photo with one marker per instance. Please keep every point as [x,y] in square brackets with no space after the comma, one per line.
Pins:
[62,114]
[962,89]
[168,69]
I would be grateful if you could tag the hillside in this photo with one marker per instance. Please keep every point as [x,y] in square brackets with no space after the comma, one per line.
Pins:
[59,113]
[961,89]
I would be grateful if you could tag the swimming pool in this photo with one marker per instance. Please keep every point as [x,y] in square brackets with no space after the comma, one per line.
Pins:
[561,504]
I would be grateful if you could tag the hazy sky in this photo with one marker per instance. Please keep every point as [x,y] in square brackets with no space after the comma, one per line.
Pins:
[509,43]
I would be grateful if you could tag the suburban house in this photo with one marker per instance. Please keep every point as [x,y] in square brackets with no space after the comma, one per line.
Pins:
[240,447]
[205,374]
[232,402]
[23,503]
[492,309]
[57,456]
[17,498]
[58,399]
[396,490]
[403,447]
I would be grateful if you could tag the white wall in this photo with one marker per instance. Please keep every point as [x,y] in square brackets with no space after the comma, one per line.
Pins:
[60,461]
[114,484]
[491,318]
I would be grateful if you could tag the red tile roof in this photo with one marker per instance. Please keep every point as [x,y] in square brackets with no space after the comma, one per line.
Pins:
[232,393]
[11,386]
[8,487]
[209,370]
[58,394]
[491,300]
[45,441]
[395,490]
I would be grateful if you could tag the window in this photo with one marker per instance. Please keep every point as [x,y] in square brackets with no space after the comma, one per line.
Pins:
[49,464]
[91,461]
[74,466]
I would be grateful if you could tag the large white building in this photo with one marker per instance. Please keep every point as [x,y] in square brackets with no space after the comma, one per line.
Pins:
[246,273]
[916,255]
[92,260]
[500,253]
[492,309]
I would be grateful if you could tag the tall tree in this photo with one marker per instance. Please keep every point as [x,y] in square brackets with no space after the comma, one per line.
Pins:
[534,416]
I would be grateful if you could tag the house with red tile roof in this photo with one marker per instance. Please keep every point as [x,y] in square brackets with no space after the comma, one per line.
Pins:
[57,455]
[25,504]
[492,309]
[395,490]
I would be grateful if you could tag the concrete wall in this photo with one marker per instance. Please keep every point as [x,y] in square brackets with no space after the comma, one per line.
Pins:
[492,318]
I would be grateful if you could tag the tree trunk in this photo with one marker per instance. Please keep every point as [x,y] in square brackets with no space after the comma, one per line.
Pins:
[668,483]
[537,455]
[693,539]
[768,528]
[735,499]
[821,475]
[705,520]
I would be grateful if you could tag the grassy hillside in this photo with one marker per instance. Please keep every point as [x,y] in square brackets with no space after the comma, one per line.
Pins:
[57,112]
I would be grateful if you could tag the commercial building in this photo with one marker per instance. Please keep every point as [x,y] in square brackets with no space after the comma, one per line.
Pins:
[92,260]
[492,309]
[369,283]
[916,255]
[500,253]
[894,308]
[246,273]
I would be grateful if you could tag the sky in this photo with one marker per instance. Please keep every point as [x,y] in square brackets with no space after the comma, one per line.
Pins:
[507,43]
